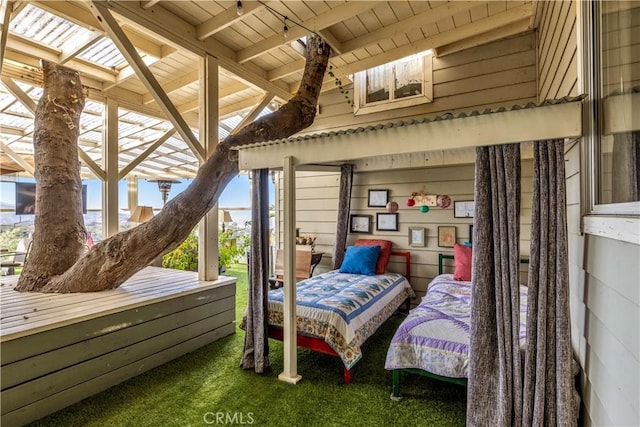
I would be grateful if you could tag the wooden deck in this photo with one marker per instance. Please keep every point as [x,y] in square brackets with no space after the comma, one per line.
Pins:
[58,349]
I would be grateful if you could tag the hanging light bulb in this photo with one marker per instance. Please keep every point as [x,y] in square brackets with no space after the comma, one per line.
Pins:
[239,9]
[285,30]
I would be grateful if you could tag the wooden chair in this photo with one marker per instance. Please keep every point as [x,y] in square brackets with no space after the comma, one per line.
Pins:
[18,258]
[303,267]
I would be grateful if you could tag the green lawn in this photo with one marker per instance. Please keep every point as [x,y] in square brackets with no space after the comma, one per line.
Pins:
[208,387]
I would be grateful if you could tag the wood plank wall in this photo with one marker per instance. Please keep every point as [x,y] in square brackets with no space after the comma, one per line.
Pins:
[317,212]
[499,73]
[604,299]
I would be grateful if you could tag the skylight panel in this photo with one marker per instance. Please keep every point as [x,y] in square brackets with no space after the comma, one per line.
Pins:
[44,27]
[104,53]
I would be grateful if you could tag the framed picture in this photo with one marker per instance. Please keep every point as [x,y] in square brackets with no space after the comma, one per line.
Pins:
[417,236]
[446,236]
[387,221]
[360,223]
[378,198]
[464,209]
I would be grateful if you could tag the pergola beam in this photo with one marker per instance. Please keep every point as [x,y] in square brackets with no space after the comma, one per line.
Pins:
[316,23]
[17,158]
[174,85]
[4,31]
[225,19]
[20,95]
[127,49]
[255,111]
[125,171]
[66,56]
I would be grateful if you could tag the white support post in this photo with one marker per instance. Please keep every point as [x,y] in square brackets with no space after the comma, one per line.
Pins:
[132,193]
[208,133]
[290,373]
[110,219]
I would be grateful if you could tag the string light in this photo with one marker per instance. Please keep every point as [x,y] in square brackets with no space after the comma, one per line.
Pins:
[239,9]
[284,21]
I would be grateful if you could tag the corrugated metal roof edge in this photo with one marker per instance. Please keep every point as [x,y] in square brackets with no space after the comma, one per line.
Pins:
[410,122]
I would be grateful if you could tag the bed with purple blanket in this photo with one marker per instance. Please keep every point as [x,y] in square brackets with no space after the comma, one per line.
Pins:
[434,338]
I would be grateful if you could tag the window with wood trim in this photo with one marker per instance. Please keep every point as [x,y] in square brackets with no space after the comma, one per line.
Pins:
[398,84]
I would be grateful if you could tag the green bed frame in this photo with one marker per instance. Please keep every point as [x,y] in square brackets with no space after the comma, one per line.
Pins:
[395,393]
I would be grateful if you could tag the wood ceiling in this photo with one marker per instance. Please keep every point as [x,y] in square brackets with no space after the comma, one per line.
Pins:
[258,66]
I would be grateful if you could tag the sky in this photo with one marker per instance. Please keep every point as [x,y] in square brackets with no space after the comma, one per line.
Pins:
[236,195]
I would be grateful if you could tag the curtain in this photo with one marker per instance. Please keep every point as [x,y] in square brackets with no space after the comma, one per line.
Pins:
[549,393]
[344,206]
[625,171]
[256,344]
[494,392]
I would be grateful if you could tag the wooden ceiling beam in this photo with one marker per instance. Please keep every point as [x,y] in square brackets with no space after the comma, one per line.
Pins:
[75,12]
[470,30]
[125,171]
[246,103]
[488,37]
[17,158]
[226,19]
[402,27]
[332,41]
[103,14]
[174,85]
[317,23]
[5,14]
[149,4]
[161,22]
[65,56]
[255,111]
[19,94]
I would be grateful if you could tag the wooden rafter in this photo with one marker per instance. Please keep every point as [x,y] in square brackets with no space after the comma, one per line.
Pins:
[5,15]
[226,19]
[17,158]
[66,56]
[255,111]
[488,37]
[129,52]
[316,23]
[125,171]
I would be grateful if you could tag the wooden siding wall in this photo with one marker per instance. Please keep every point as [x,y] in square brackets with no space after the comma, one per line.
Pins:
[499,73]
[557,50]
[603,273]
[317,212]
[605,314]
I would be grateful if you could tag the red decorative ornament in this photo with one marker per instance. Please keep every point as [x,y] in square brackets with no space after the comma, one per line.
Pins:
[411,202]
[443,201]
[392,207]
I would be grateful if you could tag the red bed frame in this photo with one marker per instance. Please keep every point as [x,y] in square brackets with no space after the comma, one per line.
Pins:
[318,344]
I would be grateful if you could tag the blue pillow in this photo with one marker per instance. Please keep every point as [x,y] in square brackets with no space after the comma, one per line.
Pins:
[360,260]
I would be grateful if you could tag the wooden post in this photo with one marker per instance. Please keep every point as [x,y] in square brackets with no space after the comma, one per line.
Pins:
[110,218]
[290,373]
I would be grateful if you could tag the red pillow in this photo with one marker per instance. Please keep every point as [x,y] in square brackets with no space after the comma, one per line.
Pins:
[385,252]
[462,258]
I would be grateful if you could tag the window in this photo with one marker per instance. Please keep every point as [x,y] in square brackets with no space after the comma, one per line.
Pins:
[398,84]
[612,74]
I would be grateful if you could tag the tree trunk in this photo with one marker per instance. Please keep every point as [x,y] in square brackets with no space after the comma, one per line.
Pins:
[111,262]
[59,226]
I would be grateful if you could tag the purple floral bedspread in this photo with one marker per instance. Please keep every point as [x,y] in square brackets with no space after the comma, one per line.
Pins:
[435,335]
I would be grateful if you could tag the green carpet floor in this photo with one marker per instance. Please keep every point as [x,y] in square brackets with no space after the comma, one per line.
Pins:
[207,387]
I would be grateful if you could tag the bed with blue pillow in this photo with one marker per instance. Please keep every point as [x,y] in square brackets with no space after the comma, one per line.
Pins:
[337,311]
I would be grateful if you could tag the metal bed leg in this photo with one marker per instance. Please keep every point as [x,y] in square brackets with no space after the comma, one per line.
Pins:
[346,373]
[395,393]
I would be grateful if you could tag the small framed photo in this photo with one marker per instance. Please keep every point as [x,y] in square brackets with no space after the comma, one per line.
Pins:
[360,223]
[417,236]
[446,236]
[387,221]
[378,198]
[463,209]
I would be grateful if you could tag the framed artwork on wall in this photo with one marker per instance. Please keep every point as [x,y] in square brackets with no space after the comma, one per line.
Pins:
[417,236]
[360,223]
[387,221]
[378,198]
[463,208]
[446,236]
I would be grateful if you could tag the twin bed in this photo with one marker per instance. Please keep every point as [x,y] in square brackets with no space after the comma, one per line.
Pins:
[337,312]
[434,338]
